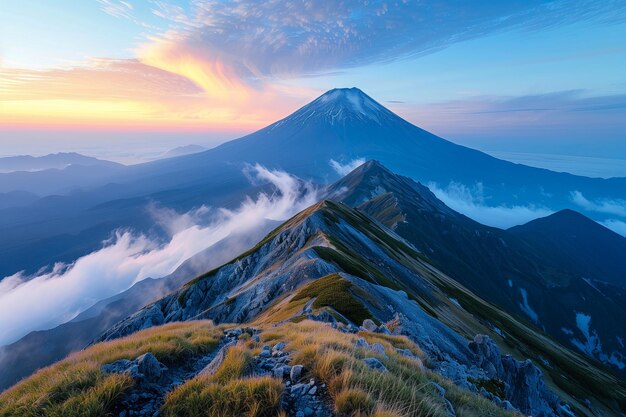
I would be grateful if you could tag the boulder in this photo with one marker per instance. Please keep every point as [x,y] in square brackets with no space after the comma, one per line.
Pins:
[117,367]
[150,366]
[525,387]
[378,348]
[145,367]
[375,364]
[369,325]
[265,352]
[487,355]
[296,372]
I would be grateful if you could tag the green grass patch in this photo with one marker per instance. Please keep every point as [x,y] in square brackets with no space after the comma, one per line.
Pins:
[493,386]
[334,291]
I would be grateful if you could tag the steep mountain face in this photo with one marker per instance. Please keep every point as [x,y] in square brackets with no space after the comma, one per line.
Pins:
[574,239]
[525,273]
[333,263]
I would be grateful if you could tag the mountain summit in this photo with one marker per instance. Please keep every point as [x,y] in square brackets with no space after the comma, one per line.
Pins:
[341,106]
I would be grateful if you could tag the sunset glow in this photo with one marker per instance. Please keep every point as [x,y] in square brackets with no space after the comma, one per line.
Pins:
[207,66]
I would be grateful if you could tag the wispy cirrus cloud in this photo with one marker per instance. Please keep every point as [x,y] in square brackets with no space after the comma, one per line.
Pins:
[554,122]
[117,8]
[239,54]
[277,38]
[553,108]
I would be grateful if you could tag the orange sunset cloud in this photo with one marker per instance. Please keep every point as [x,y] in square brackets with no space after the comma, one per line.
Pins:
[166,87]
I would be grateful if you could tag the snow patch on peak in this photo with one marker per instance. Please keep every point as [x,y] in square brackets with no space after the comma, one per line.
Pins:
[342,104]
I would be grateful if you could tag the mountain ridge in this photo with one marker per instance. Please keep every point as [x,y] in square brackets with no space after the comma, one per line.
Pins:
[328,238]
[509,269]
[344,264]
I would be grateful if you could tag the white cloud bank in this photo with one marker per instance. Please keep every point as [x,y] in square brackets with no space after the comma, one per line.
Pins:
[609,207]
[345,169]
[617,226]
[471,202]
[52,298]
[606,206]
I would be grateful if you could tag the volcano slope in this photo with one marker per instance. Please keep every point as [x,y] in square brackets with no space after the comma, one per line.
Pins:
[335,264]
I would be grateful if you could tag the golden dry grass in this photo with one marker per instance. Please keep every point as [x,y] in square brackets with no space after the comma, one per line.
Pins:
[229,392]
[356,390]
[75,386]
[239,397]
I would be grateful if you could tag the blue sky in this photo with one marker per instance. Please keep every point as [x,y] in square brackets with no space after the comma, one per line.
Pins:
[545,77]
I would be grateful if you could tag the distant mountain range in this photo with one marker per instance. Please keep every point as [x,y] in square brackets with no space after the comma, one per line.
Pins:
[59,160]
[183,150]
[59,173]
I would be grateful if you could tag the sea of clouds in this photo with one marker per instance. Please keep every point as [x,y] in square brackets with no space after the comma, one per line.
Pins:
[50,298]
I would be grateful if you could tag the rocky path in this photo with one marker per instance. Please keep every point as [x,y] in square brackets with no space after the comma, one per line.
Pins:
[301,397]
[153,380]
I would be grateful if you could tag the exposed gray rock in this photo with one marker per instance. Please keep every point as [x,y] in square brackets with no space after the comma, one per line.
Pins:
[213,366]
[375,364]
[487,355]
[117,367]
[296,372]
[145,367]
[378,348]
[150,366]
[265,352]
[407,353]
[369,325]
[324,317]
[279,371]
[235,332]
[481,359]
[383,329]
[442,392]
[362,343]
[525,387]
[506,404]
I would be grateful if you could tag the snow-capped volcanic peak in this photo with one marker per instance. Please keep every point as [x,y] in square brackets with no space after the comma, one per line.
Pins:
[340,105]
